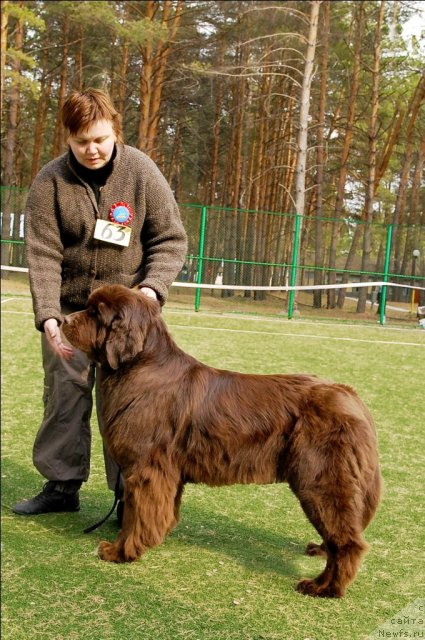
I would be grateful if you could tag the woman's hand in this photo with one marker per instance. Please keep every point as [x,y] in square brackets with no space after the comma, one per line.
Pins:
[54,337]
[149,292]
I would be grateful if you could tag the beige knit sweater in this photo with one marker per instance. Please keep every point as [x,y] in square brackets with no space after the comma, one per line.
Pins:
[65,261]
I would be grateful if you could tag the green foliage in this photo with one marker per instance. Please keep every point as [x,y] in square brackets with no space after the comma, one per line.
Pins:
[26,14]
[28,87]
[23,58]
[140,32]
[206,29]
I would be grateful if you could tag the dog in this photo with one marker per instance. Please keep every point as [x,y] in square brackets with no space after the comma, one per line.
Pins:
[170,420]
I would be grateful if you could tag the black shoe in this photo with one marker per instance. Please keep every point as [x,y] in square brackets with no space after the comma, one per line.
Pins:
[120,512]
[48,501]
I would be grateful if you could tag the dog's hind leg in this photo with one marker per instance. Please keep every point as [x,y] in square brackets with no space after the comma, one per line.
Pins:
[372,498]
[177,503]
[340,526]
[149,514]
[333,470]
[313,549]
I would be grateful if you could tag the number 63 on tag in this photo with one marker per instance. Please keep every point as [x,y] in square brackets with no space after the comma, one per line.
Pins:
[112,232]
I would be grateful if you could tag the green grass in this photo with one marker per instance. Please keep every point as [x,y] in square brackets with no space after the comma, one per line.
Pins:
[228,570]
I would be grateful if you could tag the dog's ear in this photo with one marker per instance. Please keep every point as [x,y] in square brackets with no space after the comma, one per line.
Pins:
[106,313]
[126,335]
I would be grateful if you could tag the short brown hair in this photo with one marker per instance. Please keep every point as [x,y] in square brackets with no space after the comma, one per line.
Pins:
[82,108]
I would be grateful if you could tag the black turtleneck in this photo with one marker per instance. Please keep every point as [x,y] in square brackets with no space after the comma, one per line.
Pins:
[95,178]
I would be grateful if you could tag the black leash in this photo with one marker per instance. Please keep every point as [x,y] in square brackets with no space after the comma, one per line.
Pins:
[98,524]
[118,495]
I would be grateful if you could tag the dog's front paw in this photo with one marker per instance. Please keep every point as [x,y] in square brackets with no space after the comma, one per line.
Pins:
[109,551]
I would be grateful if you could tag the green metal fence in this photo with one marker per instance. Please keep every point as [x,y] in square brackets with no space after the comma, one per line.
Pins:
[13,201]
[254,250]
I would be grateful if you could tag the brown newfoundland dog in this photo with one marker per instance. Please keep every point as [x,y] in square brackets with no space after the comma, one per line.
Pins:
[171,420]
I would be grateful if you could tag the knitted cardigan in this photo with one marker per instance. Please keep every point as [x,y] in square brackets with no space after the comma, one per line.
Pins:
[66,263]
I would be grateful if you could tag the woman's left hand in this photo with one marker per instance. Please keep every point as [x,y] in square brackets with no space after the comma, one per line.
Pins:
[150,293]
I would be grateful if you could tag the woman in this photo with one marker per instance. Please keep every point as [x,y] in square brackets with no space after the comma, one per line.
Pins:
[102,213]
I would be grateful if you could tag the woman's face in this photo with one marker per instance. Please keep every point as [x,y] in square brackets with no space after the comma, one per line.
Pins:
[93,147]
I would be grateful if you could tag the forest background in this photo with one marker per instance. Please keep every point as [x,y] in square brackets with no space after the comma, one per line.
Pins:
[314,108]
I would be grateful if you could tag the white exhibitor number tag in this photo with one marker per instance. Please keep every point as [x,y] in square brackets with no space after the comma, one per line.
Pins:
[112,232]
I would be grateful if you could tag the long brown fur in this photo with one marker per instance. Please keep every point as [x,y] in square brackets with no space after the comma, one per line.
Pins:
[171,420]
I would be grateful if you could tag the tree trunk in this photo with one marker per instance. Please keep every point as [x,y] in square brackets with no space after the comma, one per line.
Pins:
[234,186]
[4,26]
[43,102]
[211,197]
[11,144]
[414,106]
[59,134]
[412,232]
[372,135]
[146,83]
[152,77]
[14,98]
[359,17]
[77,81]
[304,110]
[392,139]
[258,188]
[173,177]
[394,20]
[300,171]
[321,157]
[306,230]
[122,80]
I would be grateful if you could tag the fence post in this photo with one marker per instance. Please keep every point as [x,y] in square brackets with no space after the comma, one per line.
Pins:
[293,278]
[201,256]
[386,272]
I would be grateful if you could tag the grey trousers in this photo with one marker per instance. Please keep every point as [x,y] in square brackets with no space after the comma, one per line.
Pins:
[62,445]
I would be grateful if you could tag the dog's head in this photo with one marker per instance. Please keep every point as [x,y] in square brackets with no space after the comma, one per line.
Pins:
[112,329]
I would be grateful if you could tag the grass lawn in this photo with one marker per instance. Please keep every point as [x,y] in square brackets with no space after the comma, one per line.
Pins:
[229,569]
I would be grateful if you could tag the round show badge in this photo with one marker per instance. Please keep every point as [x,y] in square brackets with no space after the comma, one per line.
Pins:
[121,213]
